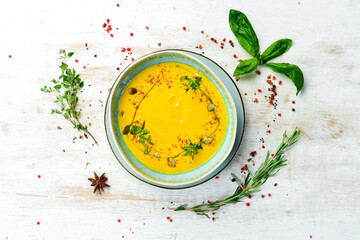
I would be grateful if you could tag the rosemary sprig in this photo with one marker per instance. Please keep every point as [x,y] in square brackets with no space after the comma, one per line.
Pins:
[67,87]
[192,148]
[252,182]
[192,84]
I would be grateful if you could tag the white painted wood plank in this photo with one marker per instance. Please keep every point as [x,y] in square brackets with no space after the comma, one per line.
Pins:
[317,193]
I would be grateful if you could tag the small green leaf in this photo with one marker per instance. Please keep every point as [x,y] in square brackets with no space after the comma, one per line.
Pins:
[63,66]
[181,207]
[291,71]
[244,32]
[246,66]
[81,85]
[70,54]
[52,111]
[276,49]
[87,164]
[57,86]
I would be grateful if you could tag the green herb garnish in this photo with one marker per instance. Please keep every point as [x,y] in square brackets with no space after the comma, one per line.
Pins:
[246,36]
[192,84]
[192,148]
[67,87]
[252,182]
[142,133]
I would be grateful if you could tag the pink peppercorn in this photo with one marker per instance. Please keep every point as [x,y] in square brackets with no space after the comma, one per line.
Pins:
[104,25]
[38,223]
[184,28]
[247,204]
[10,56]
[118,220]
[202,31]
[234,56]
[38,176]
[131,34]
[159,44]
[280,82]
[200,47]
[111,35]
[147,27]
[128,49]
[118,5]
[293,102]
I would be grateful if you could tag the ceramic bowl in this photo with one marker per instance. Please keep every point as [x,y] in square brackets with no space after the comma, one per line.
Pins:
[231,141]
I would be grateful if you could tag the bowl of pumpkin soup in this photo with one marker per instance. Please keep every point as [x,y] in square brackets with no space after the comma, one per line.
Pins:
[171,121]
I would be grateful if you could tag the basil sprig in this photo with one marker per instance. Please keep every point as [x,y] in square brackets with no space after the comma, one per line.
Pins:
[246,36]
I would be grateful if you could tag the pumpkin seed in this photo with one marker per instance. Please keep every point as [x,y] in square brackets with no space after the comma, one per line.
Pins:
[143,125]
[132,91]
[210,107]
[207,140]
[126,130]
[171,162]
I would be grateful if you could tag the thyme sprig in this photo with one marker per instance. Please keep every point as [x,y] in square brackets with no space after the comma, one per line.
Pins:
[193,83]
[67,88]
[192,148]
[252,182]
[143,135]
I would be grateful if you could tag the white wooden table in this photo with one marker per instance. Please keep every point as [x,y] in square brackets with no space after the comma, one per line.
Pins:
[317,193]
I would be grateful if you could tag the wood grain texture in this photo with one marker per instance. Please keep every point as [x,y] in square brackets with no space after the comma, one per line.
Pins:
[317,193]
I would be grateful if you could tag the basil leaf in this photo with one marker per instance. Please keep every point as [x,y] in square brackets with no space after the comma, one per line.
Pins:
[244,32]
[276,49]
[291,71]
[246,66]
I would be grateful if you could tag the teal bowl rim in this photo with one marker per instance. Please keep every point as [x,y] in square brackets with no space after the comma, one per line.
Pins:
[230,157]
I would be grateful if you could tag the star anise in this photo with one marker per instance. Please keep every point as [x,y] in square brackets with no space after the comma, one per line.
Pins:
[99,182]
